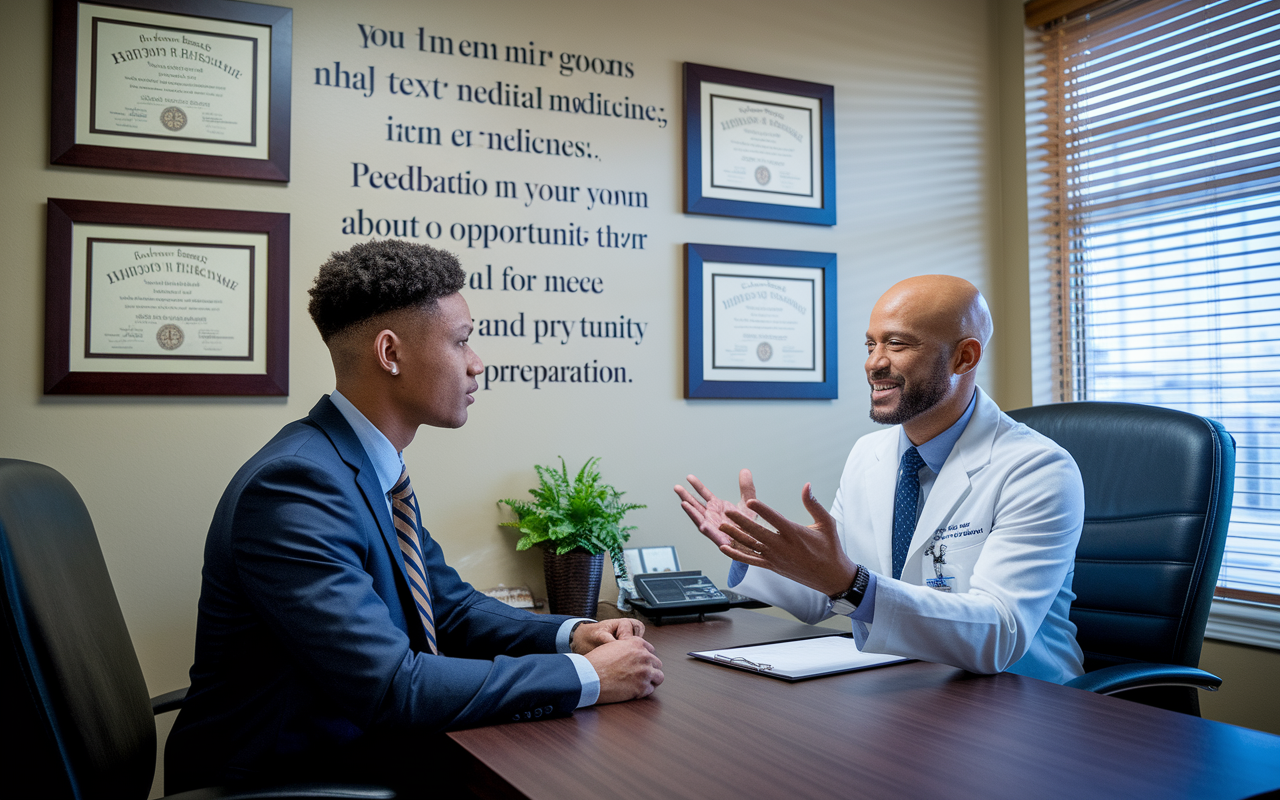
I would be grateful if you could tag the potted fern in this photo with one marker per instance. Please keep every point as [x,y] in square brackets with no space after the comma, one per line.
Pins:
[575,522]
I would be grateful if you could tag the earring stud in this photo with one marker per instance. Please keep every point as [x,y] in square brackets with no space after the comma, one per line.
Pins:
[395,370]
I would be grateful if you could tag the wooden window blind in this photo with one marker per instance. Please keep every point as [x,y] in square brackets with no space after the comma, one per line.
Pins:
[1162,166]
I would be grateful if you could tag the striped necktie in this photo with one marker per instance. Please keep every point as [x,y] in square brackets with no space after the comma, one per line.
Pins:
[404,512]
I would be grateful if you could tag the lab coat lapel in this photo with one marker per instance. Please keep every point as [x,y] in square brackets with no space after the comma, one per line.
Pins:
[881,485]
[949,489]
[971,453]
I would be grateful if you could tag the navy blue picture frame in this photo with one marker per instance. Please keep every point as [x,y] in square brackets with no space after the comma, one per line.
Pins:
[695,386]
[695,203]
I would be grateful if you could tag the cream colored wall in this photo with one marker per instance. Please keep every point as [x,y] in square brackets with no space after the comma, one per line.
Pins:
[1248,695]
[923,116]
[913,116]
[1010,289]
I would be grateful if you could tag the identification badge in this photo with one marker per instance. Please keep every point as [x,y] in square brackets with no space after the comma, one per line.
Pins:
[938,552]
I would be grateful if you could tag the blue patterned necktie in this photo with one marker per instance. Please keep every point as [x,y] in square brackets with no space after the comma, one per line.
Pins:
[404,513]
[905,500]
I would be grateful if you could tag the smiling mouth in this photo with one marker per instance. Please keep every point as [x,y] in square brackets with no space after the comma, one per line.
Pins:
[881,390]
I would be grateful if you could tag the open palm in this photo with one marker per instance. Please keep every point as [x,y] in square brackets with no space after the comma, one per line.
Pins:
[708,512]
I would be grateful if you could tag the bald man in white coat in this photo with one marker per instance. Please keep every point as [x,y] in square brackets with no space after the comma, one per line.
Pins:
[986,545]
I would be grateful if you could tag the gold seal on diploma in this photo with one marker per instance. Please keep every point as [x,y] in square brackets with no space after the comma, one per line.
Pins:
[169,337]
[764,350]
[173,118]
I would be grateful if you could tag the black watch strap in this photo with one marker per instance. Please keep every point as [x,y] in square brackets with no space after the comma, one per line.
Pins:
[849,600]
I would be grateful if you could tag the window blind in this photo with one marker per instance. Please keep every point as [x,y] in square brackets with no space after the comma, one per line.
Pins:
[1162,167]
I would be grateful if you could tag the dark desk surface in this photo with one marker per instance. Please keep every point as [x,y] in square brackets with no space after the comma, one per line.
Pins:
[910,730]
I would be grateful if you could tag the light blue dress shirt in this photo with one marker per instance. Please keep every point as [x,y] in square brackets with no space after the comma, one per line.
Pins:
[388,464]
[935,453]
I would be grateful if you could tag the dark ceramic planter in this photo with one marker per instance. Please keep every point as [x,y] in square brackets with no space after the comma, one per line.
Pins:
[573,582]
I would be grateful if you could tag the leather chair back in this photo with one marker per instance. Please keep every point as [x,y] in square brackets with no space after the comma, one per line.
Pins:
[1158,485]
[74,693]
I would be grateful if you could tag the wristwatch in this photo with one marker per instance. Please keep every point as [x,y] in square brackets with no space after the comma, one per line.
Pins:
[848,601]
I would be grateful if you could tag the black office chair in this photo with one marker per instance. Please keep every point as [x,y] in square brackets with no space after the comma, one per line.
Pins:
[75,704]
[1157,497]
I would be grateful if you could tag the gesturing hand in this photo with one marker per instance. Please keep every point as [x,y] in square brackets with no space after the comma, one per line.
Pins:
[809,555]
[710,515]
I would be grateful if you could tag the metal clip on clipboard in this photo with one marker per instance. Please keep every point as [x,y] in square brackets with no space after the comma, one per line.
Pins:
[744,663]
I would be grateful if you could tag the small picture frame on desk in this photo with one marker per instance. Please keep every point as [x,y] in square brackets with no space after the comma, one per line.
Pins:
[760,323]
[165,300]
[759,147]
[200,87]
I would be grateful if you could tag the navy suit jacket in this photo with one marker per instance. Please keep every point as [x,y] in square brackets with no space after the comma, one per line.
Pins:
[307,638]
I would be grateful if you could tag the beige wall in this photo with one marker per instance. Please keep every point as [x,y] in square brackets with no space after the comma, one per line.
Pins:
[914,116]
[928,121]
[1248,695]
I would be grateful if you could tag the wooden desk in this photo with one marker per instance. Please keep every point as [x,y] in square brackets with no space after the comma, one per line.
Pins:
[910,730]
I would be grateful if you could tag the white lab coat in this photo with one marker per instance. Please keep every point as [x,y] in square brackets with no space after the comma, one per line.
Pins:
[1009,506]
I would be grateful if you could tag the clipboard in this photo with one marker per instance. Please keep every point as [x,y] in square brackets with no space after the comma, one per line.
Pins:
[800,659]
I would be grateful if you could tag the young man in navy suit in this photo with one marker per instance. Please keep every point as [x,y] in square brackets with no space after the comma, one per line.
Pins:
[333,641]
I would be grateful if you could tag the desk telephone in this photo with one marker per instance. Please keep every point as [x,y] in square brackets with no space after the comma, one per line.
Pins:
[657,587]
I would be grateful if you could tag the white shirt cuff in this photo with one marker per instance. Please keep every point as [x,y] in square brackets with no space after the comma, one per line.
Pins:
[564,636]
[590,680]
[586,673]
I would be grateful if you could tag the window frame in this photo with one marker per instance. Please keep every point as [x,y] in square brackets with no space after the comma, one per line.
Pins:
[1235,618]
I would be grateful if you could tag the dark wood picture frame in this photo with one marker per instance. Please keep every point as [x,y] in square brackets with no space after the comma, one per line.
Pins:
[696,386]
[63,215]
[696,161]
[63,148]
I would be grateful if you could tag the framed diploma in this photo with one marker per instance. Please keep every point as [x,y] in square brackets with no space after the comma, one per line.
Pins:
[758,147]
[164,300]
[190,86]
[759,323]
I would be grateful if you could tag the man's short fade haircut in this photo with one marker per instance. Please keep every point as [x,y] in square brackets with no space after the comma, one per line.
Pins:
[377,277]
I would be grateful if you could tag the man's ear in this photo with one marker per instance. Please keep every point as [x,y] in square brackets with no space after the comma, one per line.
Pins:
[966,356]
[387,349]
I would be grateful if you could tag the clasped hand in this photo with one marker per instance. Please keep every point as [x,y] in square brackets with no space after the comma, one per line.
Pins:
[625,662]
[590,635]
[810,555]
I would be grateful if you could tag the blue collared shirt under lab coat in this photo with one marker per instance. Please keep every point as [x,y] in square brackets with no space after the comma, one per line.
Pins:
[935,453]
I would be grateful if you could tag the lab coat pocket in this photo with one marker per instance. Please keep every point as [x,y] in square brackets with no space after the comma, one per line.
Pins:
[949,561]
